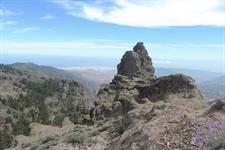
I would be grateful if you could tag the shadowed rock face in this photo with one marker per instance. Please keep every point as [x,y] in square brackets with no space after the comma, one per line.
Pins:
[136,63]
[178,84]
[140,49]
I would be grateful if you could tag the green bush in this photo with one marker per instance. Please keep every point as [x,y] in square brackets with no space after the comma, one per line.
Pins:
[58,120]
[13,103]
[22,127]
[76,117]
[43,116]
[5,140]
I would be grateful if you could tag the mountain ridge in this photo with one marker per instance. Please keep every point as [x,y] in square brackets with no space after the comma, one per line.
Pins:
[136,110]
[93,77]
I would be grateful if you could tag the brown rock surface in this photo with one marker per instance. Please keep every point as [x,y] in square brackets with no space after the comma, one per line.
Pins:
[136,63]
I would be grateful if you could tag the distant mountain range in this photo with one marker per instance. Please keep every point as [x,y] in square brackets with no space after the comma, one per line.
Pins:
[198,75]
[211,84]
[43,71]
[214,88]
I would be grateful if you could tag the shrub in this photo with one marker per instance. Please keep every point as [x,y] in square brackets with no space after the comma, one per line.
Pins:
[76,117]
[22,127]
[5,140]
[13,103]
[58,120]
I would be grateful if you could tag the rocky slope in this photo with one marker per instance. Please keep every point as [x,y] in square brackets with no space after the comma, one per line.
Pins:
[138,111]
[25,98]
[155,113]
[51,72]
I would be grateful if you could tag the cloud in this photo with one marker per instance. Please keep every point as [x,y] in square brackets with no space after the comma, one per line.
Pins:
[68,48]
[4,24]
[47,17]
[24,30]
[163,61]
[163,53]
[149,13]
[4,12]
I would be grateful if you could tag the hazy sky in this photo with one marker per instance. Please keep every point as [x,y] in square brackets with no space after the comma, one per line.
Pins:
[177,33]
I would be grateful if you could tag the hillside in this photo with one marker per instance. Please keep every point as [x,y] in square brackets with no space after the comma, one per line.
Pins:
[214,88]
[25,98]
[136,110]
[51,72]
[42,71]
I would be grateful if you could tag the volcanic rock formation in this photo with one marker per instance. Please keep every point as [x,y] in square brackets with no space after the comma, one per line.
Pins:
[135,83]
[136,63]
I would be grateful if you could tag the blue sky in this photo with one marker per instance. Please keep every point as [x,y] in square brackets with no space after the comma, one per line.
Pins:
[177,33]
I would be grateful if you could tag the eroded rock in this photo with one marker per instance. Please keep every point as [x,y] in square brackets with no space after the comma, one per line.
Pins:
[136,63]
[135,83]
[181,85]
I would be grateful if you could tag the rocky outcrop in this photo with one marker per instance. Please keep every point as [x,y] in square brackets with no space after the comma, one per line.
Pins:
[147,107]
[135,83]
[180,85]
[136,63]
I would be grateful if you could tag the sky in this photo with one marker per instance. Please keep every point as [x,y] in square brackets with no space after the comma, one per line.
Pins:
[70,33]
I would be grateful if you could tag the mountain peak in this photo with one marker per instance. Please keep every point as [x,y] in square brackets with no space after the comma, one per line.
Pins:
[136,63]
[140,48]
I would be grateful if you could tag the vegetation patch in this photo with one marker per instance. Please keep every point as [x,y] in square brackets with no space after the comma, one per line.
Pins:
[9,69]
[5,140]
[36,96]
[22,127]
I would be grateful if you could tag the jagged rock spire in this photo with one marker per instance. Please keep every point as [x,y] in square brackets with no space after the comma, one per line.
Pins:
[140,49]
[136,63]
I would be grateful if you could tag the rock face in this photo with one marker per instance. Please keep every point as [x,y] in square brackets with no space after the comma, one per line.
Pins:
[136,63]
[181,85]
[135,82]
